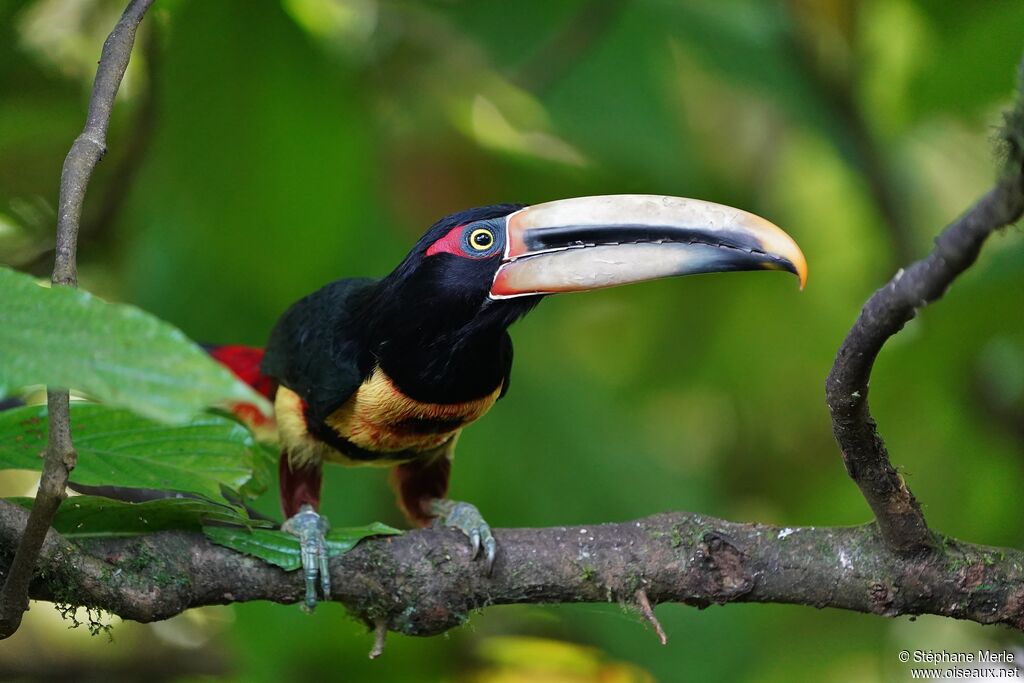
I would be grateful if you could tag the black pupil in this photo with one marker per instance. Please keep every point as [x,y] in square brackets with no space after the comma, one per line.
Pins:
[482,239]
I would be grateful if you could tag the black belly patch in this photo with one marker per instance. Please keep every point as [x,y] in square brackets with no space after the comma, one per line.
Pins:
[419,425]
[321,431]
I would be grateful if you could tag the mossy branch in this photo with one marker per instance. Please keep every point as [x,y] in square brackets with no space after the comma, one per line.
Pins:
[425,582]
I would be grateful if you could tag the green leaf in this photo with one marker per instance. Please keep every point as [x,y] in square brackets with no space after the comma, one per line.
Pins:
[96,516]
[282,549]
[264,464]
[343,539]
[118,354]
[118,448]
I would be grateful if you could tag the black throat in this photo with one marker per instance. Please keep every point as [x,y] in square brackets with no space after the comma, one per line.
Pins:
[445,353]
[431,324]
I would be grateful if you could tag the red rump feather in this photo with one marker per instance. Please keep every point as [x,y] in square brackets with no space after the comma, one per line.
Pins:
[245,361]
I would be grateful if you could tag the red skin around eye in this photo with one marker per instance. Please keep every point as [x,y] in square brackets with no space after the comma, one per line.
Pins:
[449,244]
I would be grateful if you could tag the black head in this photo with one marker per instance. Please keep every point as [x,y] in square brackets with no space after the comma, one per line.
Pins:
[442,314]
[445,280]
[435,328]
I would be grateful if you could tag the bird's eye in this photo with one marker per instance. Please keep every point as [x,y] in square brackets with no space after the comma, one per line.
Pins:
[478,240]
[481,239]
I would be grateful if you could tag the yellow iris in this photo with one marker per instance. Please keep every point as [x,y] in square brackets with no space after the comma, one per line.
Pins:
[481,239]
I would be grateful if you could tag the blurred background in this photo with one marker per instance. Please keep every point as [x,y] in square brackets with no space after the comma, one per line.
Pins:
[261,149]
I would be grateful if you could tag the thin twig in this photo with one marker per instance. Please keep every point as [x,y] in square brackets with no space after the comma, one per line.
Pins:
[647,612]
[117,187]
[380,637]
[886,312]
[60,457]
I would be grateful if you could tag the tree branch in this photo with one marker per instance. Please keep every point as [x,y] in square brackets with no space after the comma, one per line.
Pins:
[899,516]
[425,582]
[60,457]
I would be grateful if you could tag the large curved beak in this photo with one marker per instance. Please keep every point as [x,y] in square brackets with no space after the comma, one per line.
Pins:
[585,243]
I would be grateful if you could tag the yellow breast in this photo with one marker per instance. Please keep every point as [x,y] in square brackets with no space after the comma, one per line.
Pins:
[380,418]
[377,418]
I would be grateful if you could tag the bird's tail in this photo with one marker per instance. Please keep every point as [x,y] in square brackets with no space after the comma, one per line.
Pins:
[244,362]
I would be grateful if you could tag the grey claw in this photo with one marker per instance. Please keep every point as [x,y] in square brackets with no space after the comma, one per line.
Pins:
[490,550]
[467,519]
[325,574]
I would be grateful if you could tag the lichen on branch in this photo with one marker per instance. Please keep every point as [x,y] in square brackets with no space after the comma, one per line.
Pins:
[425,582]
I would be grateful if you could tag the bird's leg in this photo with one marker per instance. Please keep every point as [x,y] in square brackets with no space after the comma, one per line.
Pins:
[422,487]
[300,496]
[311,528]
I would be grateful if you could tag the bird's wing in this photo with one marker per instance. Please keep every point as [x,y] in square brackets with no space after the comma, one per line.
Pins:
[317,349]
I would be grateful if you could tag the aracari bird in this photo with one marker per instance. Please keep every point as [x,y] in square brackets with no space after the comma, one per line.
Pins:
[388,372]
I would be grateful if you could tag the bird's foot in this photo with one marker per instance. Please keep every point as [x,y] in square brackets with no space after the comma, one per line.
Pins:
[310,528]
[467,519]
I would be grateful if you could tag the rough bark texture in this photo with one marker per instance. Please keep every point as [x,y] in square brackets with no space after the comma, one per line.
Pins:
[424,582]
[890,308]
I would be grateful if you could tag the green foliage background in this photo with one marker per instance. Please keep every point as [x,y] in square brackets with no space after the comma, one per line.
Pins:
[261,149]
